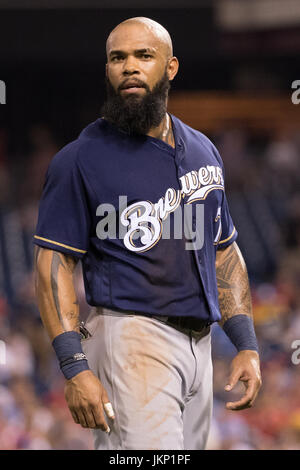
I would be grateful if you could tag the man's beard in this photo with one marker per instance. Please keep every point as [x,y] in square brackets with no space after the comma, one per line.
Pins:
[136,114]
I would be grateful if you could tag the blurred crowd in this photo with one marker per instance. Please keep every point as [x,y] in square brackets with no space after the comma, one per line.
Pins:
[263,187]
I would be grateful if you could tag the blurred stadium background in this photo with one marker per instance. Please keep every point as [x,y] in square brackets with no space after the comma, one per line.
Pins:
[238,59]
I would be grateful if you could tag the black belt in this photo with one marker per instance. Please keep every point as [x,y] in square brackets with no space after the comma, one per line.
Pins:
[195,325]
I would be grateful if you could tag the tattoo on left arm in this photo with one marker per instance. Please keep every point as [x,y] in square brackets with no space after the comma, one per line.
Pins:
[56,263]
[233,284]
[64,263]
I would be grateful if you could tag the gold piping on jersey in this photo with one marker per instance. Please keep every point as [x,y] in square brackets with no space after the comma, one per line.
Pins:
[59,244]
[226,239]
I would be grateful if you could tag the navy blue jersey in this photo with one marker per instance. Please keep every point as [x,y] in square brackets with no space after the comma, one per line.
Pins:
[134,256]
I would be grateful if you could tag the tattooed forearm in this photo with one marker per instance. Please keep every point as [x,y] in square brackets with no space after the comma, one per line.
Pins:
[233,284]
[56,263]
[55,291]
[62,264]
[74,318]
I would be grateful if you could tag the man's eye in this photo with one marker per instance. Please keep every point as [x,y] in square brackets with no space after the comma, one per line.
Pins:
[145,56]
[117,57]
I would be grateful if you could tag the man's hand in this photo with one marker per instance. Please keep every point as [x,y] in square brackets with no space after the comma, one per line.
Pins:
[86,397]
[245,367]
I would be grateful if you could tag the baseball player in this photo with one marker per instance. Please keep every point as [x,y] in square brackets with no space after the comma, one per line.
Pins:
[139,371]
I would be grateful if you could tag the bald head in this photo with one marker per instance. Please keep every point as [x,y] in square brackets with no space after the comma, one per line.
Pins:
[155,31]
[141,50]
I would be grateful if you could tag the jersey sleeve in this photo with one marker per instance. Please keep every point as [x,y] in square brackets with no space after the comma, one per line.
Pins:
[64,218]
[228,231]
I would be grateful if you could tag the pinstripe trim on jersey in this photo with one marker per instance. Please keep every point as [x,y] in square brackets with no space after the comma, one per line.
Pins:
[226,239]
[59,244]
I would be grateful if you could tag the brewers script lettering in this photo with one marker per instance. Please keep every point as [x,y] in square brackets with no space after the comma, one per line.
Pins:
[146,218]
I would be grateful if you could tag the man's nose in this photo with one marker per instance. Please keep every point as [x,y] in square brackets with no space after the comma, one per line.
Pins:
[130,66]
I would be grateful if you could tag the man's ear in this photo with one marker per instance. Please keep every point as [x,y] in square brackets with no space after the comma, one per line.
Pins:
[106,72]
[172,67]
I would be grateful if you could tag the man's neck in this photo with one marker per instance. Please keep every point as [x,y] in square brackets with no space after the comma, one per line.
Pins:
[164,131]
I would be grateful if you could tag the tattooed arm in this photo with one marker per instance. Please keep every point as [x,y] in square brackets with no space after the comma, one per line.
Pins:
[235,299]
[233,284]
[55,291]
[85,395]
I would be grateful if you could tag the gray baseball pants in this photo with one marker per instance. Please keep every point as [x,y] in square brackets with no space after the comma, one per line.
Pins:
[158,380]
